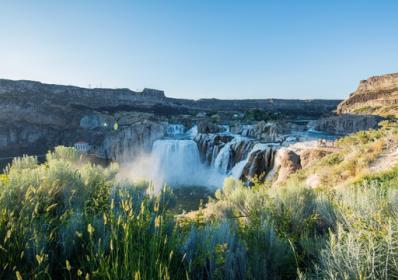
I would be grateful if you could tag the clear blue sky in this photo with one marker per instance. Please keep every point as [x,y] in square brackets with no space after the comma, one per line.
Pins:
[198,48]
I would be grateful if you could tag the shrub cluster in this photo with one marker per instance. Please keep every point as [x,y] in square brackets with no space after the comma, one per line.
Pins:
[67,218]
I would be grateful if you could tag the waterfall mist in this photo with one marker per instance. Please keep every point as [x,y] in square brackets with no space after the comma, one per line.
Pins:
[175,163]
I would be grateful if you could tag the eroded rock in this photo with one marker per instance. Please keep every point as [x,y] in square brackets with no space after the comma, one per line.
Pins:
[289,163]
[346,124]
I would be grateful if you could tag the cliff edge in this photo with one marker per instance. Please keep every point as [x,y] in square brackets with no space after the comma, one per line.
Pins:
[377,95]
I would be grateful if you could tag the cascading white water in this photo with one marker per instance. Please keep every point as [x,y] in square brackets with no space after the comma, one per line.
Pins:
[192,159]
[193,131]
[175,129]
[223,158]
[237,170]
[174,162]
[177,163]
[246,129]
[223,161]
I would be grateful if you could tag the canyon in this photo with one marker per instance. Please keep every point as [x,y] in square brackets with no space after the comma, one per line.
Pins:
[179,141]
[35,117]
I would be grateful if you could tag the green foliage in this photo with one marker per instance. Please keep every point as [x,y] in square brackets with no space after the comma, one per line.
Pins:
[293,231]
[387,179]
[215,252]
[365,244]
[64,153]
[67,218]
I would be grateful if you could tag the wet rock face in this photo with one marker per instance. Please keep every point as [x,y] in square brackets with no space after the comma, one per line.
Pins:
[345,124]
[373,96]
[240,150]
[259,163]
[210,145]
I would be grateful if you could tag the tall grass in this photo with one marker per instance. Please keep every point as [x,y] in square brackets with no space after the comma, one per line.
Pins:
[365,244]
[69,219]
[293,231]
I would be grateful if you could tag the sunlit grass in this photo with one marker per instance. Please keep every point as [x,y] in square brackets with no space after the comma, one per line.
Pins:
[70,219]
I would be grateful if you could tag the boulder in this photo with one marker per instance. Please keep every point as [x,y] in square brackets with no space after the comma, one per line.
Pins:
[289,163]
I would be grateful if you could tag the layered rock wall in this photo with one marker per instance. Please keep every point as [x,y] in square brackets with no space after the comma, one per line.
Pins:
[345,124]
[376,95]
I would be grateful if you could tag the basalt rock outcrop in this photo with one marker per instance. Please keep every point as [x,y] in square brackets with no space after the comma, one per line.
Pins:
[210,145]
[348,123]
[125,144]
[267,132]
[259,163]
[377,95]
[364,108]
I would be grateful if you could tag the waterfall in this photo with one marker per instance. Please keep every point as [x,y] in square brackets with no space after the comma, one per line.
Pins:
[193,132]
[189,158]
[260,163]
[210,146]
[223,158]
[247,130]
[232,153]
[225,128]
[237,170]
[203,160]
[175,160]
[176,163]
[175,129]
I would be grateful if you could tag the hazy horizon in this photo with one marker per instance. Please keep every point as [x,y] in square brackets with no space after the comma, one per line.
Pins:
[223,50]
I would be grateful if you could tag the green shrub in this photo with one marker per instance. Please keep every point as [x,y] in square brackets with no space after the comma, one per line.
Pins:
[70,219]
[67,218]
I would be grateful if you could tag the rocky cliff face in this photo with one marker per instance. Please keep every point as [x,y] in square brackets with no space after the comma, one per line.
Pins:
[35,117]
[127,143]
[266,132]
[377,95]
[345,124]
[259,163]
[362,110]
